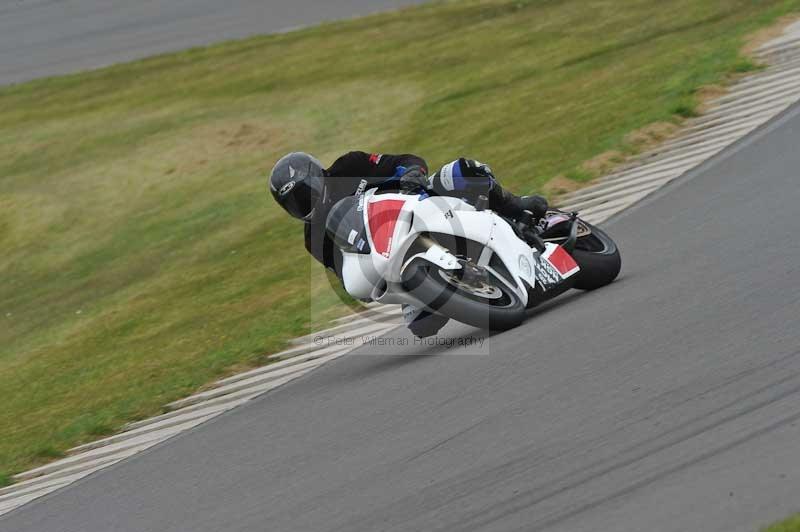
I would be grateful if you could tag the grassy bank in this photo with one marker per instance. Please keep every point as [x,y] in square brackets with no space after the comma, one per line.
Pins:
[141,257]
[792,524]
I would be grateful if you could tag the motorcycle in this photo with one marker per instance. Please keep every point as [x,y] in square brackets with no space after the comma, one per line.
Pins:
[463,260]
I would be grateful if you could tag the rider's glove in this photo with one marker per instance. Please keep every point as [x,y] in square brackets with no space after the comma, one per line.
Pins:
[413,179]
[536,204]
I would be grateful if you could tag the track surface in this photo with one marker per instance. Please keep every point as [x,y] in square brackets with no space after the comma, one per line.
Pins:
[669,401]
[48,37]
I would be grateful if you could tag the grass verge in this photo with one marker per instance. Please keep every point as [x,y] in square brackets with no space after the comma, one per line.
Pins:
[141,256]
[792,524]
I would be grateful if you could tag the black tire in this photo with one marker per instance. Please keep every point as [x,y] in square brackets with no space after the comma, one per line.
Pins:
[599,259]
[427,285]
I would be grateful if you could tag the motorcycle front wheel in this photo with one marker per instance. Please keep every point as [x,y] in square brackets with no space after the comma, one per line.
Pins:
[489,304]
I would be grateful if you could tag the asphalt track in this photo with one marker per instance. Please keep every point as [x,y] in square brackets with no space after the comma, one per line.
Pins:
[48,37]
[668,401]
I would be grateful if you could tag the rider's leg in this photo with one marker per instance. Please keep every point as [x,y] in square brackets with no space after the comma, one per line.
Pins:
[421,322]
[468,179]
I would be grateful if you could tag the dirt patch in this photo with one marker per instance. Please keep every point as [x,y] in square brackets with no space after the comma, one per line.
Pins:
[245,136]
[763,36]
[603,163]
[706,95]
[560,186]
[245,130]
[650,136]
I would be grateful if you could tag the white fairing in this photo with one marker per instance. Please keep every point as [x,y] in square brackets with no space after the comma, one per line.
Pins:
[378,276]
[359,275]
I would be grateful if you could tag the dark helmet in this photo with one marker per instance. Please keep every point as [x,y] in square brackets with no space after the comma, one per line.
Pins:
[296,184]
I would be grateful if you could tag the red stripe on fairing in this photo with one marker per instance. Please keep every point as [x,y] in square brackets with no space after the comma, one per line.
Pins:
[382,221]
[561,260]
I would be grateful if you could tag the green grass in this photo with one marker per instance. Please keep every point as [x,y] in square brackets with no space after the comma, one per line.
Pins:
[141,255]
[791,524]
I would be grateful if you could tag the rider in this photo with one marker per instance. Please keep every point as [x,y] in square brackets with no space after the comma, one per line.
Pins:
[307,191]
